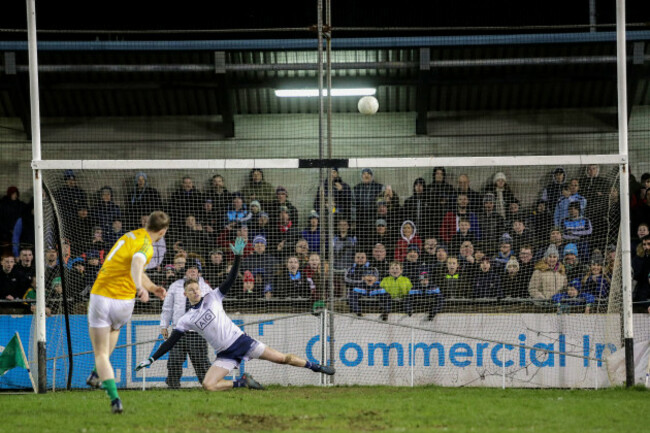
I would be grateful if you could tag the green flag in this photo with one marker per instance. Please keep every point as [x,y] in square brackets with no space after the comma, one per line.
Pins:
[12,356]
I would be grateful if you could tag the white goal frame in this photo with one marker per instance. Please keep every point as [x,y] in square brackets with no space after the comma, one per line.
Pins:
[621,159]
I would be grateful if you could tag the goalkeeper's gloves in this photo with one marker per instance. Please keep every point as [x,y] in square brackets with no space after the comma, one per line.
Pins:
[144,364]
[238,248]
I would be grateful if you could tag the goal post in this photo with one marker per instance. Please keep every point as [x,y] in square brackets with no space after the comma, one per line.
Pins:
[35,133]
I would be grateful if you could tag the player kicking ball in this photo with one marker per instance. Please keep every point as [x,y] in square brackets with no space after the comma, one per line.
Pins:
[207,317]
[112,298]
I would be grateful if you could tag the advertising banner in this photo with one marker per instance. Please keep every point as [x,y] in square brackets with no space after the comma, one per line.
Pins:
[528,350]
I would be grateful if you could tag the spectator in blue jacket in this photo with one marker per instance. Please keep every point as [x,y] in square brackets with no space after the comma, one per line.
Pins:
[261,264]
[237,210]
[425,294]
[311,233]
[572,298]
[354,274]
[569,195]
[577,229]
[596,282]
[369,287]
[505,251]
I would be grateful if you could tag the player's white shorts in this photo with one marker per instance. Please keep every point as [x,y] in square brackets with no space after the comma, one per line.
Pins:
[104,312]
[243,349]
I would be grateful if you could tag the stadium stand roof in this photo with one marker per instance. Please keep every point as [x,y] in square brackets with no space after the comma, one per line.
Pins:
[81,79]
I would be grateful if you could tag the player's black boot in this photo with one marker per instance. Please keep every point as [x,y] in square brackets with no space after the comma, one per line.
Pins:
[93,380]
[325,369]
[250,382]
[116,406]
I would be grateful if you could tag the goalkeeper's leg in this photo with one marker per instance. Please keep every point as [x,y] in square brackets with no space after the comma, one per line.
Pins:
[273,355]
[214,380]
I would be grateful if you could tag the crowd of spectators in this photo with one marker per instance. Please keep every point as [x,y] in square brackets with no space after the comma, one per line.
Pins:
[444,242]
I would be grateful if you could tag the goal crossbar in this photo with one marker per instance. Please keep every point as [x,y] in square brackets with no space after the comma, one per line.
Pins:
[291,163]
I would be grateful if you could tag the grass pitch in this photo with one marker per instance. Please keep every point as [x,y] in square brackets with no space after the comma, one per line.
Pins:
[336,409]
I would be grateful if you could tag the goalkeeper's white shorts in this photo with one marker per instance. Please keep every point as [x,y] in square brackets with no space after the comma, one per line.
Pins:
[104,312]
[243,349]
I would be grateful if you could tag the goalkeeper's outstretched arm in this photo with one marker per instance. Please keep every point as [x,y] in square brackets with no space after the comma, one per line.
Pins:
[225,287]
[164,348]
[238,251]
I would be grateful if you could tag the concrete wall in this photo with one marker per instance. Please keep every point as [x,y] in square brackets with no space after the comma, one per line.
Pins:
[353,135]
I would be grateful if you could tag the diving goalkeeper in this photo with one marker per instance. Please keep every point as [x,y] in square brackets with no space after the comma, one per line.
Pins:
[207,317]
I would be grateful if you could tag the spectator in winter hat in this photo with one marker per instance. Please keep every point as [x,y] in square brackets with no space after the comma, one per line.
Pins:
[261,227]
[261,263]
[514,282]
[412,265]
[503,194]
[441,260]
[369,287]
[311,233]
[549,276]
[250,290]
[380,233]
[572,264]
[505,251]
[596,282]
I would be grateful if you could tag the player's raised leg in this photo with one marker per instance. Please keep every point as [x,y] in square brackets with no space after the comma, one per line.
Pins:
[277,357]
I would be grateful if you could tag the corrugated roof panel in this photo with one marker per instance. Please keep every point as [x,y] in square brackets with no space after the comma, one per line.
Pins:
[480,87]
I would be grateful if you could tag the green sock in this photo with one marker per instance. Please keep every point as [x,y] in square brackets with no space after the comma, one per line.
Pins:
[110,388]
[95,369]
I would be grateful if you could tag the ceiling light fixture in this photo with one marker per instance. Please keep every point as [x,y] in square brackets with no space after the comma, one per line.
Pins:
[311,93]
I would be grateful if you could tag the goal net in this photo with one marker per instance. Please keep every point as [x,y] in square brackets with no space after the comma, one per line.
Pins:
[490,285]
